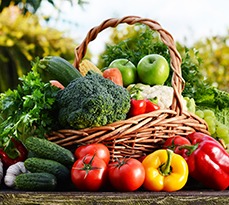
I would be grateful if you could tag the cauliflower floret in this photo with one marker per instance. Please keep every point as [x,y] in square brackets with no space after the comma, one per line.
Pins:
[164,94]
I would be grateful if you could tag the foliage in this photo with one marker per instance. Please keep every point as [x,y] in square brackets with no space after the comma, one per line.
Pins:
[22,38]
[29,109]
[215,54]
[30,5]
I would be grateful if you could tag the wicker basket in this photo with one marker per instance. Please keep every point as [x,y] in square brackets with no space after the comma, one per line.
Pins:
[141,134]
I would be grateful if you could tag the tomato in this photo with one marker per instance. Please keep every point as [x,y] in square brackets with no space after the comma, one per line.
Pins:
[176,141]
[126,174]
[89,173]
[100,150]
[114,74]
[57,84]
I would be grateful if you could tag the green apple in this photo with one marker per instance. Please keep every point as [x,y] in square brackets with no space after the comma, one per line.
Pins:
[153,69]
[127,69]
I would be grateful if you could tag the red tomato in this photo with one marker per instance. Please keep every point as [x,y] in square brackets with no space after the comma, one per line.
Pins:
[89,173]
[126,174]
[57,84]
[114,74]
[100,150]
[175,141]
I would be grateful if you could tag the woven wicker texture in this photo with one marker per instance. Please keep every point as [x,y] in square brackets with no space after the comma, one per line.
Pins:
[141,134]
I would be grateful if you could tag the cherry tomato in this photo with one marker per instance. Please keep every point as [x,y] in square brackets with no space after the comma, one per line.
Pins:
[126,174]
[114,74]
[89,173]
[100,150]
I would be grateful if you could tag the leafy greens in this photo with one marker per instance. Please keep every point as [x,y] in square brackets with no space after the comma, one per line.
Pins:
[29,109]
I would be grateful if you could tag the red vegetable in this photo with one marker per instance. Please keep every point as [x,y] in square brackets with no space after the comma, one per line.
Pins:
[175,142]
[19,148]
[137,107]
[126,174]
[114,74]
[89,173]
[150,106]
[207,160]
[100,150]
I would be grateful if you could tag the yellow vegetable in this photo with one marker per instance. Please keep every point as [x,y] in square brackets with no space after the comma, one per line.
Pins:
[165,171]
[87,65]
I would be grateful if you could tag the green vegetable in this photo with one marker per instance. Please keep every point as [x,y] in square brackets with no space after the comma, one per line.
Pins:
[28,109]
[92,101]
[49,150]
[212,97]
[59,69]
[36,182]
[215,100]
[35,164]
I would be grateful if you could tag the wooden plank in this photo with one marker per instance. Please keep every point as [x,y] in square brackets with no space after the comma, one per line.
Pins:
[111,198]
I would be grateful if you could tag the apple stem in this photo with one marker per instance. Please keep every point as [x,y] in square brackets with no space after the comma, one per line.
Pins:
[127,62]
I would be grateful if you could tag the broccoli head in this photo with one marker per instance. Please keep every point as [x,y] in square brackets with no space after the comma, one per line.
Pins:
[92,101]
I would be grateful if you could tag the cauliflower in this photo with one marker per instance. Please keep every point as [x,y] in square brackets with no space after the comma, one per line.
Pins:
[163,94]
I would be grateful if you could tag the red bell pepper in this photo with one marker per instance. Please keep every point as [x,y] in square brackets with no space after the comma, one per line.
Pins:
[137,107]
[207,160]
[20,150]
[150,106]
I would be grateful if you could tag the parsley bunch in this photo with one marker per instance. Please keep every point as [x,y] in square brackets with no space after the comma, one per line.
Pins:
[29,109]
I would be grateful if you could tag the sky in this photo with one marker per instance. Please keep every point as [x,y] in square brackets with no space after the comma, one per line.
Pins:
[186,20]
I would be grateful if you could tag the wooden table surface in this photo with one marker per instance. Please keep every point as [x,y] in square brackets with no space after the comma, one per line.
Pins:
[183,197]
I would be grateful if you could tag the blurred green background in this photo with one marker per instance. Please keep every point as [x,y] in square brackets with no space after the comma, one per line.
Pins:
[23,37]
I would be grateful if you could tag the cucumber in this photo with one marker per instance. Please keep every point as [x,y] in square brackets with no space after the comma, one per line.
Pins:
[43,148]
[35,164]
[60,69]
[36,182]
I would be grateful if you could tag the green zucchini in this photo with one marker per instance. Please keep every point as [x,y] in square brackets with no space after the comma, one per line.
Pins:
[36,182]
[60,69]
[43,148]
[35,164]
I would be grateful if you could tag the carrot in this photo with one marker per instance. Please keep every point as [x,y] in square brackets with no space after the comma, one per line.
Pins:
[114,74]
[57,84]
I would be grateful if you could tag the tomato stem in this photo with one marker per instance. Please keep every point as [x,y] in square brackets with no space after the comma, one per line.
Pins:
[190,148]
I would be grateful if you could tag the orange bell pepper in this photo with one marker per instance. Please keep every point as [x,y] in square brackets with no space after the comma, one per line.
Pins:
[165,171]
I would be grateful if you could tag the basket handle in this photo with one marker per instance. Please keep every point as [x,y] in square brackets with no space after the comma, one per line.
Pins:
[175,62]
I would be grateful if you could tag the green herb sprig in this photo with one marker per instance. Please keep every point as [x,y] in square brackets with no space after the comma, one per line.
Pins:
[29,109]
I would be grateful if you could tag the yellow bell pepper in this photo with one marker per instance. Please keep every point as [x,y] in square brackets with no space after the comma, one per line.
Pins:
[165,171]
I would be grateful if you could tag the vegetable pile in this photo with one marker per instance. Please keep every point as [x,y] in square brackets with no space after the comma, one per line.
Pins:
[93,97]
